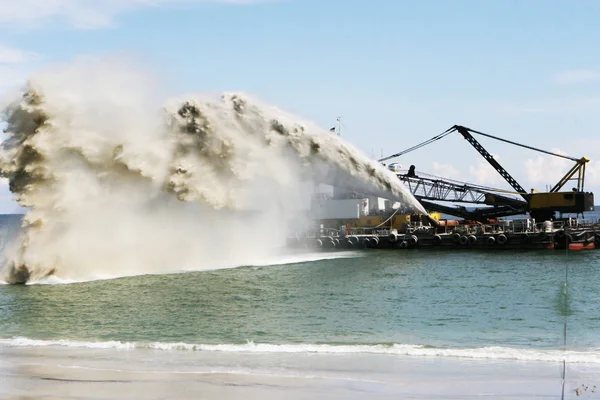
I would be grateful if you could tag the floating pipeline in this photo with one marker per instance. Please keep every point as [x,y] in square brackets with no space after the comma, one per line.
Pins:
[574,239]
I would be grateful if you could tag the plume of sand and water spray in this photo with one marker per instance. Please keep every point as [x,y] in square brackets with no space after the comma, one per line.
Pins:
[116,186]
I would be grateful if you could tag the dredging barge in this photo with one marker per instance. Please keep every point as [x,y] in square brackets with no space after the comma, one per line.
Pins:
[508,235]
[350,220]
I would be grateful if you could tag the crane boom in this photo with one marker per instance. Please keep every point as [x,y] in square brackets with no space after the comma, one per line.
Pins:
[490,159]
[483,214]
[541,206]
[443,190]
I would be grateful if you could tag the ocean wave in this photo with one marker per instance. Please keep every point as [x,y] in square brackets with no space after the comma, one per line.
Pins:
[479,353]
[284,259]
[305,257]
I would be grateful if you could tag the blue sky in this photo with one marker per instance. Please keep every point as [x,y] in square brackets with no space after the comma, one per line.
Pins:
[398,72]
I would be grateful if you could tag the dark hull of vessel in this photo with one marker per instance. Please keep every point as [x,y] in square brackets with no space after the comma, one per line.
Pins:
[581,239]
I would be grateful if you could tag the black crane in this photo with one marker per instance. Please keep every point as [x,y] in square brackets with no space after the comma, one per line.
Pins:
[541,206]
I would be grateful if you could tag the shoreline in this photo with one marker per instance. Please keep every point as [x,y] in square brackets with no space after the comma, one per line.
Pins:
[59,372]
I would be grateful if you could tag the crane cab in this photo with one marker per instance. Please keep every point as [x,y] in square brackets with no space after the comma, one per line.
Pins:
[395,168]
[566,202]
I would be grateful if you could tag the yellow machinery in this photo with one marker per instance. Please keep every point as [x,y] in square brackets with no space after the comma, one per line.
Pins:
[372,221]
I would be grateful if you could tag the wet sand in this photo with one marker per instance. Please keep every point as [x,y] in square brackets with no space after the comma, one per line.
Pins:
[74,373]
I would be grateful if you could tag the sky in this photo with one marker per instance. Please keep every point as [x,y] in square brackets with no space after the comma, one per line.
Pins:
[397,72]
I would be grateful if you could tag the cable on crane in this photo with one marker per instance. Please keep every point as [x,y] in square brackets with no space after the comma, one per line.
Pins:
[463,183]
[458,127]
[418,146]
[455,127]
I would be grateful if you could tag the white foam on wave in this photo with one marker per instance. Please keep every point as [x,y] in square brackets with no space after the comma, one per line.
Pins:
[306,257]
[284,259]
[496,353]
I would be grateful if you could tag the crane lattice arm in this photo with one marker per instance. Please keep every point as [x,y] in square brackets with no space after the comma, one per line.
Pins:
[490,159]
[540,206]
[442,190]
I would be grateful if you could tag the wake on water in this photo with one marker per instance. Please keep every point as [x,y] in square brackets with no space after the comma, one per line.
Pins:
[116,185]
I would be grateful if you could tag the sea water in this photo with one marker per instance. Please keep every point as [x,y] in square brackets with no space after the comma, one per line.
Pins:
[358,319]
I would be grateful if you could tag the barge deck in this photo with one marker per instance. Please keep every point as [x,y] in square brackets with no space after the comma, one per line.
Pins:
[493,238]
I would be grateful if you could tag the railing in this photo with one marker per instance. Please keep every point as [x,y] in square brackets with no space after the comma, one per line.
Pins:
[505,226]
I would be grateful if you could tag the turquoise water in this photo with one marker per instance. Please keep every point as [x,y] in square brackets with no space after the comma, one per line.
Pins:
[449,300]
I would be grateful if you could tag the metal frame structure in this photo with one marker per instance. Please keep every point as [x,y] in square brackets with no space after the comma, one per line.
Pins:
[442,190]
[439,189]
[579,169]
[490,159]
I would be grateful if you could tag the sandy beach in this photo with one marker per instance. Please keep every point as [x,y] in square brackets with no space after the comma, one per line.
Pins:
[54,372]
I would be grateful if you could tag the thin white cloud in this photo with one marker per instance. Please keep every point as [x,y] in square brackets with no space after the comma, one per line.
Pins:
[592,176]
[485,174]
[11,78]
[83,14]
[551,106]
[583,104]
[10,55]
[577,76]
[532,110]
[482,173]
[543,172]
[446,171]
[14,66]
[517,110]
